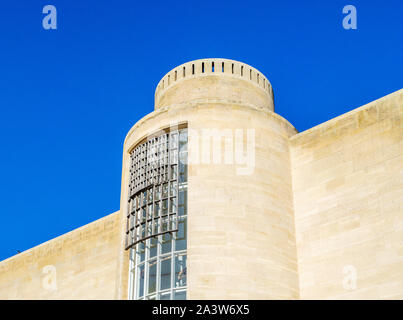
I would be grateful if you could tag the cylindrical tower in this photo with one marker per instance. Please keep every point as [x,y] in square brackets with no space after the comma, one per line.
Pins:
[240,227]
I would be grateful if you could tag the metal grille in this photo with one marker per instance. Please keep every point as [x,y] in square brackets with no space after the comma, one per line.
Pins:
[155,171]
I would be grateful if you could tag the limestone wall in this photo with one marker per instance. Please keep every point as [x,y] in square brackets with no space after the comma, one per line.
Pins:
[214,80]
[241,241]
[80,264]
[348,200]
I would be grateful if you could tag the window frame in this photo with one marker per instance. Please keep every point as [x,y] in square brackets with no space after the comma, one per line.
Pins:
[135,197]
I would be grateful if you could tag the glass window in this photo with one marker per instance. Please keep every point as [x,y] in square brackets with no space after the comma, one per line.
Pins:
[141,280]
[165,273]
[144,198]
[180,270]
[174,172]
[180,295]
[157,218]
[182,207]
[156,226]
[166,243]
[183,172]
[164,207]
[165,190]
[172,189]
[166,296]
[143,230]
[174,156]
[181,236]
[150,195]
[157,193]
[150,211]
[153,247]
[152,276]
[157,209]
[174,141]
[172,205]
[183,141]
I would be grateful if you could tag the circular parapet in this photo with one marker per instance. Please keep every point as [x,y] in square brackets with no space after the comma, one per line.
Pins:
[219,80]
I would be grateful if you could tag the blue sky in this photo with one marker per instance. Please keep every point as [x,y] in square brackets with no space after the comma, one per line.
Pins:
[69,96]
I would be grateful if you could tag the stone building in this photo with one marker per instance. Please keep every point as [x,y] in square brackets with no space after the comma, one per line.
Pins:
[222,198]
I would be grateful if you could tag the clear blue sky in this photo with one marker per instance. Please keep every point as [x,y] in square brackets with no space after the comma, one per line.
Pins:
[69,96]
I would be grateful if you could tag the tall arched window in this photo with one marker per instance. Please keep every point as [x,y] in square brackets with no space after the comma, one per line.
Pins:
[156,232]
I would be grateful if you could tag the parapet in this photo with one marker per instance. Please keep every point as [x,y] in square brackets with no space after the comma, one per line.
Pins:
[214,80]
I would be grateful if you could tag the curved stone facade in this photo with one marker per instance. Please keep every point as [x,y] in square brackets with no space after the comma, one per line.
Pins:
[241,241]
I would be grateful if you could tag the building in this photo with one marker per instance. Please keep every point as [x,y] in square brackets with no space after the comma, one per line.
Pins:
[223,199]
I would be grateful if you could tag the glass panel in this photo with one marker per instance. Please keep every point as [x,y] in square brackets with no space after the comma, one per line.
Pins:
[156,226]
[166,296]
[150,195]
[180,271]
[133,205]
[174,172]
[131,225]
[174,222]
[133,255]
[140,272]
[183,171]
[172,205]
[152,276]
[166,243]
[181,236]
[153,247]
[164,207]
[157,209]
[150,211]
[166,171]
[134,234]
[165,273]
[180,295]
[142,230]
[165,190]
[174,140]
[159,192]
[144,198]
[172,189]
[183,140]
[182,202]
[182,196]
[174,156]
[149,228]
[141,251]
[164,226]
